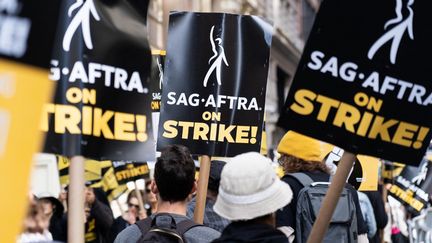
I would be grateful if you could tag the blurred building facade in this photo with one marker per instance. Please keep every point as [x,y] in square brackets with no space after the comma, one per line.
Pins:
[292,21]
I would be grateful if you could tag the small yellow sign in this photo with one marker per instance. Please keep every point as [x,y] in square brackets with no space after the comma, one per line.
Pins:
[369,167]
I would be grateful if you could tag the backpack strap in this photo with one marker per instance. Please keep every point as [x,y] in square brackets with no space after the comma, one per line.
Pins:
[304,179]
[183,226]
[186,225]
[144,225]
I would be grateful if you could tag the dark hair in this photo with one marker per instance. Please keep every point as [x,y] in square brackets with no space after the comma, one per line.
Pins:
[147,183]
[174,173]
[264,219]
[58,208]
[134,194]
[293,164]
[216,167]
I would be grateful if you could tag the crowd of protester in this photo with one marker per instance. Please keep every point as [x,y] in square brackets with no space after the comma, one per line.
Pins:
[246,202]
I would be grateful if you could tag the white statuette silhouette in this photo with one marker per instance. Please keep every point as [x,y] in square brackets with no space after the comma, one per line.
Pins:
[160,73]
[82,17]
[421,176]
[395,33]
[219,54]
[9,6]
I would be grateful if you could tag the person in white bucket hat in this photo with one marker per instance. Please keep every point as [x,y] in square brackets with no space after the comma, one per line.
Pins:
[249,195]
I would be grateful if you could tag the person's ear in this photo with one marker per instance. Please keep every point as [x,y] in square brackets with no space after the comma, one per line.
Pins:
[194,187]
[153,187]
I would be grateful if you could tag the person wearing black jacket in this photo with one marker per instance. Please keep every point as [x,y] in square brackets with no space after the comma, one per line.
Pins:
[300,153]
[379,211]
[53,208]
[98,216]
[99,219]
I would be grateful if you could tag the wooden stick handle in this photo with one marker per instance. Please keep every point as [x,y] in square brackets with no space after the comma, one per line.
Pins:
[202,189]
[139,196]
[122,212]
[76,200]
[331,199]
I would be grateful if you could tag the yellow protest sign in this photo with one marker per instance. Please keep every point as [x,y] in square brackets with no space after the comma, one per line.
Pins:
[23,90]
[93,169]
[364,175]
[114,194]
[369,167]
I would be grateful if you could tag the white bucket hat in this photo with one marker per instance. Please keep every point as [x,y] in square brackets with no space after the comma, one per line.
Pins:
[249,188]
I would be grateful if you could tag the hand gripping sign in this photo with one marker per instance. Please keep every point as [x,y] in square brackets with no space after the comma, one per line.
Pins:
[215,83]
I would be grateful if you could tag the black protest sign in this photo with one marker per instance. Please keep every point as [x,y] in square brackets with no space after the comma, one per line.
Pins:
[93,170]
[362,82]
[156,80]
[413,186]
[27,30]
[390,170]
[129,171]
[215,83]
[101,63]
[363,175]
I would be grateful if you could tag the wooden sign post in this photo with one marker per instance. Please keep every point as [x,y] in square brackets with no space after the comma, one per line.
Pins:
[332,197]
[202,189]
[76,200]
[139,197]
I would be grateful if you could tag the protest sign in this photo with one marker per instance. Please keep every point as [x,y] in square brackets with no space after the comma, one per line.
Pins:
[156,81]
[214,83]
[26,35]
[27,30]
[23,90]
[44,176]
[413,186]
[101,65]
[363,175]
[390,170]
[116,192]
[363,83]
[130,171]
[93,170]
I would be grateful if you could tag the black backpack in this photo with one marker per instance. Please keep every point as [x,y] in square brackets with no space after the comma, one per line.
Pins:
[163,228]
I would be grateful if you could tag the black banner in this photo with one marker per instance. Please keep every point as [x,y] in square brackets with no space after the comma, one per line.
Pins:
[156,81]
[363,82]
[364,173]
[215,83]
[27,30]
[332,160]
[130,171]
[413,186]
[102,63]
[390,171]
